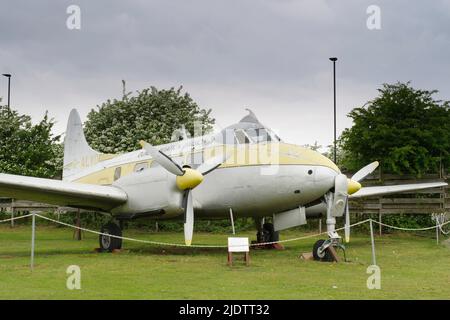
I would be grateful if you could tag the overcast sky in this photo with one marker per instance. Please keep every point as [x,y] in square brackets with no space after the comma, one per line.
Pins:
[271,56]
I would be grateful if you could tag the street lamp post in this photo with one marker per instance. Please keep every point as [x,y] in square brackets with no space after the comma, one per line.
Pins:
[334,59]
[9,90]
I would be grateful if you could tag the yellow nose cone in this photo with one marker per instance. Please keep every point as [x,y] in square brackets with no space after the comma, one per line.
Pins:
[353,186]
[190,179]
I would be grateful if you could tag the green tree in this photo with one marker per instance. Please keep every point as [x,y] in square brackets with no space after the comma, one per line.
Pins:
[28,149]
[315,147]
[405,128]
[152,115]
[329,153]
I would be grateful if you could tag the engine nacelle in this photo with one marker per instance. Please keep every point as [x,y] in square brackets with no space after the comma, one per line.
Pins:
[340,195]
[150,192]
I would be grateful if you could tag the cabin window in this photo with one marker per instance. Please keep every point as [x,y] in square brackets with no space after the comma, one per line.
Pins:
[140,166]
[263,135]
[117,173]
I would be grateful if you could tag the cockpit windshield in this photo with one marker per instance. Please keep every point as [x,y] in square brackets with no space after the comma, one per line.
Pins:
[259,135]
[241,137]
[248,130]
[254,135]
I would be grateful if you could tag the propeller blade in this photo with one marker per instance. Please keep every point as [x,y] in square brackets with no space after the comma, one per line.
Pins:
[212,164]
[188,218]
[364,172]
[347,223]
[162,159]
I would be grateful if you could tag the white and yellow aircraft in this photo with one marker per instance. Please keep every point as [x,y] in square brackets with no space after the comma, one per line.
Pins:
[245,170]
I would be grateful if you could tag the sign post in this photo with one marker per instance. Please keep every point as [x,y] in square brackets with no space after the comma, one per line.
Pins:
[238,245]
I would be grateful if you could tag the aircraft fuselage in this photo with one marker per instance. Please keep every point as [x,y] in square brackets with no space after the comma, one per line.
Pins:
[257,180]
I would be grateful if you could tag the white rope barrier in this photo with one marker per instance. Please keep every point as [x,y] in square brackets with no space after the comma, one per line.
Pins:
[311,235]
[446,233]
[160,243]
[169,244]
[16,218]
[411,229]
[127,238]
[440,219]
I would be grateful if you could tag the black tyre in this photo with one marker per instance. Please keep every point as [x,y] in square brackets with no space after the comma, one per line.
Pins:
[108,243]
[269,233]
[321,256]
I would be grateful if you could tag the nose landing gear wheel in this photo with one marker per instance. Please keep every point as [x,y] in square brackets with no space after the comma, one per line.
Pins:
[108,243]
[321,255]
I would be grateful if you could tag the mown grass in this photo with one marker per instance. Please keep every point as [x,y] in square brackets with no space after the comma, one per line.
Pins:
[412,267]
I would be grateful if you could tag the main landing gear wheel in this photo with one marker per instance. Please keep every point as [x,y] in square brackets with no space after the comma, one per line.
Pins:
[321,255]
[108,243]
[268,234]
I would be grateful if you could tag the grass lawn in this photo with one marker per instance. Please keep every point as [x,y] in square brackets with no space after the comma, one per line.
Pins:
[412,267]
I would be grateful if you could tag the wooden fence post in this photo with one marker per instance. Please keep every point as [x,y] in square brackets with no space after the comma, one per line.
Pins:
[380,226]
[12,213]
[77,232]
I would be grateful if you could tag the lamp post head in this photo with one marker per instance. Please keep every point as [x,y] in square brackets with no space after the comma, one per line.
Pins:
[333,59]
[7,75]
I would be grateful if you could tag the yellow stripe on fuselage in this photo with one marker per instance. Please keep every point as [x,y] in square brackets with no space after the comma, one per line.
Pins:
[276,153]
[239,155]
[106,175]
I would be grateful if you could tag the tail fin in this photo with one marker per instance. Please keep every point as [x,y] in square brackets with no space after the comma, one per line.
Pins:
[78,154]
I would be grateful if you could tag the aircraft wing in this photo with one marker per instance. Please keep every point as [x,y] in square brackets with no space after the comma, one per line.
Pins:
[62,193]
[376,191]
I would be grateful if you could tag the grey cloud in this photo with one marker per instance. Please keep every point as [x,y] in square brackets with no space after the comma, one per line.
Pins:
[270,55]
